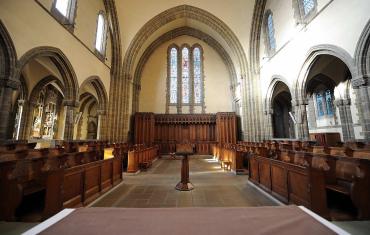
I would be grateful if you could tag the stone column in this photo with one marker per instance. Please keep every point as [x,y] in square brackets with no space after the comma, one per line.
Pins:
[101,135]
[311,118]
[363,99]
[136,94]
[69,108]
[23,120]
[6,90]
[20,112]
[299,107]
[269,125]
[344,108]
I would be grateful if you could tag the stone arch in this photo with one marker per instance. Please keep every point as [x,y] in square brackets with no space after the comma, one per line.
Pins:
[362,53]
[300,100]
[32,98]
[271,88]
[119,108]
[8,55]
[100,90]
[87,100]
[184,11]
[271,100]
[255,36]
[61,62]
[8,59]
[312,55]
[41,84]
[102,101]
[174,34]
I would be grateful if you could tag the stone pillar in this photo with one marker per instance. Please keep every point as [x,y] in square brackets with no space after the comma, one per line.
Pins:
[269,131]
[101,135]
[344,108]
[20,112]
[311,116]
[23,120]
[28,120]
[6,90]
[300,114]
[136,95]
[69,108]
[360,85]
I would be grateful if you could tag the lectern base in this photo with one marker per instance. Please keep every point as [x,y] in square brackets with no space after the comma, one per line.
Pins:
[184,186]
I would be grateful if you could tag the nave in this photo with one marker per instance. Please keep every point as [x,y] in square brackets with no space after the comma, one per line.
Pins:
[213,187]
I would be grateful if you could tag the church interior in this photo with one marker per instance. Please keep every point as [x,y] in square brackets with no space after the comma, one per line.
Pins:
[184,117]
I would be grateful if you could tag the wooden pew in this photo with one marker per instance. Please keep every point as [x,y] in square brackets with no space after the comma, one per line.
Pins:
[56,177]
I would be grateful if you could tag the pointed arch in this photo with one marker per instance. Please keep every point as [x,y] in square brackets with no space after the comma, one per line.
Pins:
[61,62]
[99,87]
[362,53]
[312,55]
[8,57]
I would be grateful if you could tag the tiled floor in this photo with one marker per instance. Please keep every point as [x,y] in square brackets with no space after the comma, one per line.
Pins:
[213,188]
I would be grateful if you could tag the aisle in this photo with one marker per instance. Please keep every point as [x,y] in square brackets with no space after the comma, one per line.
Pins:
[213,188]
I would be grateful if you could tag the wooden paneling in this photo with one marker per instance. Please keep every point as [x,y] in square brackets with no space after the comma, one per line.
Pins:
[200,129]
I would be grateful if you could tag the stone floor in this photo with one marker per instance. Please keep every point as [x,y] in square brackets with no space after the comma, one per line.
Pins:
[213,188]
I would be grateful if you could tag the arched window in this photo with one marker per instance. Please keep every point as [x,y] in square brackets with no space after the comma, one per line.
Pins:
[64,11]
[185,75]
[308,6]
[173,75]
[324,103]
[304,10]
[100,40]
[270,33]
[329,102]
[188,90]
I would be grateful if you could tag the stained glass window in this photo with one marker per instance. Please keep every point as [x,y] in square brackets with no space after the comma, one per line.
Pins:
[320,104]
[63,6]
[185,75]
[197,76]
[329,102]
[308,6]
[100,34]
[270,32]
[173,76]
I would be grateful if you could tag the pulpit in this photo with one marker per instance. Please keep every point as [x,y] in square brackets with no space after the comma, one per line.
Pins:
[184,150]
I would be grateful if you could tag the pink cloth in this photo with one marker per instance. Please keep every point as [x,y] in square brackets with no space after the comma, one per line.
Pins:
[178,221]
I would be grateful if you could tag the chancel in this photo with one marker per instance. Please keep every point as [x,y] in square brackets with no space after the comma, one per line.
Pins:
[184,117]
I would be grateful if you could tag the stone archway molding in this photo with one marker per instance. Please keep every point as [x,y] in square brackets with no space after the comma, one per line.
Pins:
[178,32]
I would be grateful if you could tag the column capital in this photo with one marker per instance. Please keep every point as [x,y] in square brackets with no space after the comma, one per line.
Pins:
[269,112]
[359,81]
[299,102]
[22,102]
[10,82]
[338,102]
[72,103]
[100,112]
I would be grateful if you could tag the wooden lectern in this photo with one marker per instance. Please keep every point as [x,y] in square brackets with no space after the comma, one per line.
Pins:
[185,150]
